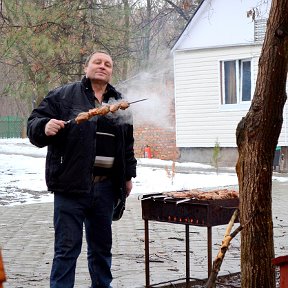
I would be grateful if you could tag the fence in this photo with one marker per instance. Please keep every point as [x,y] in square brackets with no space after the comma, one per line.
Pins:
[11,127]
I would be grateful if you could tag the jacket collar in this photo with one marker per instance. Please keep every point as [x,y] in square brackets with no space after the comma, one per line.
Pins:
[110,90]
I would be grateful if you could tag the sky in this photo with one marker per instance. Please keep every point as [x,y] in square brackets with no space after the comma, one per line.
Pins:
[22,175]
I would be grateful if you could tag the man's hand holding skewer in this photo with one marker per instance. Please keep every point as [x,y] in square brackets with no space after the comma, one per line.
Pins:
[53,126]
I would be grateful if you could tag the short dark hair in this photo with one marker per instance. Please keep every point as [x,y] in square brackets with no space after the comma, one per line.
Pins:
[94,52]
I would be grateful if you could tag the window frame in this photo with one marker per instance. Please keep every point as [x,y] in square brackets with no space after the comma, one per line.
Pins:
[238,82]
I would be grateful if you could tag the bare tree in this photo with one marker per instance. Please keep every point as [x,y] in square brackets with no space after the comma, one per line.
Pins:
[126,39]
[46,41]
[257,136]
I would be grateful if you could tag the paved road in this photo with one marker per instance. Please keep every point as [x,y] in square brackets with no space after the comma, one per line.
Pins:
[26,237]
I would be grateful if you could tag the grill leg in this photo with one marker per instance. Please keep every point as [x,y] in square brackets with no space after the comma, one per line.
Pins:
[187,254]
[147,264]
[209,246]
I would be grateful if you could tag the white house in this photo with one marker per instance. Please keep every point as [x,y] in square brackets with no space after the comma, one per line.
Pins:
[215,69]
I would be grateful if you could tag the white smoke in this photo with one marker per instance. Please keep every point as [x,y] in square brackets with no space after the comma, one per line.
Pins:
[159,91]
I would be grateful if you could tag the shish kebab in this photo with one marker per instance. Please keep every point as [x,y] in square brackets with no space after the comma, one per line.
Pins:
[103,110]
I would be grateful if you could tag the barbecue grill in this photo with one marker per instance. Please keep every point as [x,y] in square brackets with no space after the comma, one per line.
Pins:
[188,211]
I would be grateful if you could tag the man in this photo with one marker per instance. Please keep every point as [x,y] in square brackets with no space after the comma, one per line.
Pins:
[89,167]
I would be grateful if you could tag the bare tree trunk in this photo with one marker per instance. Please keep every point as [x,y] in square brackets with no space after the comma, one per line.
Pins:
[147,33]
[257,137]
[126,38]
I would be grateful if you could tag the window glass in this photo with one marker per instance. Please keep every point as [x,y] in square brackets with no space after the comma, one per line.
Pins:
[246,81]
[230,82]
[236,81]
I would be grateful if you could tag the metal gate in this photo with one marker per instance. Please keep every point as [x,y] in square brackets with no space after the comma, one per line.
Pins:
[11,127]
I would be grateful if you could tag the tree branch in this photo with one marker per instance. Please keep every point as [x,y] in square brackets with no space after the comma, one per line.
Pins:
[224,247]
[178,9]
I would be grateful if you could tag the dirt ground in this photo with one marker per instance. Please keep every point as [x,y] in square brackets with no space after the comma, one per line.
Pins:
[228,281]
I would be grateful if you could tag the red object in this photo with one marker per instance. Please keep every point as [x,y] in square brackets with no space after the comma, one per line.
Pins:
[282,261]
[147,152]
[2,272]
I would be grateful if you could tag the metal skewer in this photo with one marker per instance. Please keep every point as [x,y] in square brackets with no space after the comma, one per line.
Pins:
[137,101]
[183,200]
[132,102]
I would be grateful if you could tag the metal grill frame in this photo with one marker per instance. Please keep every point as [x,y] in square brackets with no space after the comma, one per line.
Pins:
[202,213]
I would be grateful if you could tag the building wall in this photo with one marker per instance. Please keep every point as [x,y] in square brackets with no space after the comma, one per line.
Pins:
[201,120]
[227,156]
[161,141]
[220,30]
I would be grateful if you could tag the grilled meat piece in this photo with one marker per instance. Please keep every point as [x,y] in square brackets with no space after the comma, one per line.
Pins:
[124,105]
[82,117]
[114,107]
[103,110]
[204,195]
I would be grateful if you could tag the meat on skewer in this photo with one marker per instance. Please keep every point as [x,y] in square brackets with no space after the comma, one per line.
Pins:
[120,105]
[204,195]
[114,107]
[124,105]
[103,110]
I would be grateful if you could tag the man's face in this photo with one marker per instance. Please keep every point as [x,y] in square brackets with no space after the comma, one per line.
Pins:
[99,68]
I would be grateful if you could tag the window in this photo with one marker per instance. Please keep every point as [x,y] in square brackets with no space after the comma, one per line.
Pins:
[235,81]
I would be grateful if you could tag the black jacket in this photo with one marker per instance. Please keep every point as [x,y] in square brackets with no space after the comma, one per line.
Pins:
[71,153]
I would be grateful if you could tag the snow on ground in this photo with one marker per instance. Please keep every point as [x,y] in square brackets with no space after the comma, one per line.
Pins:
[22,170]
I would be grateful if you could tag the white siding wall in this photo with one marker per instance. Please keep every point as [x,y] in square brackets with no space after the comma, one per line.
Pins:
[283,138]
[200,118]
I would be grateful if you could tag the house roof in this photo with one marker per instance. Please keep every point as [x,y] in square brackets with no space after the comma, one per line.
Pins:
[222,23]
[195,12]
